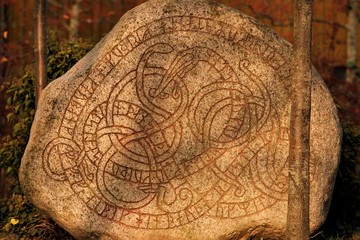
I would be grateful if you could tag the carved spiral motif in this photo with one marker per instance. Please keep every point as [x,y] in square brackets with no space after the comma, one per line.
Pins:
[177,136]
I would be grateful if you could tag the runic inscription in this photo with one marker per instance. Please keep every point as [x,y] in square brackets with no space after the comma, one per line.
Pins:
[183,133]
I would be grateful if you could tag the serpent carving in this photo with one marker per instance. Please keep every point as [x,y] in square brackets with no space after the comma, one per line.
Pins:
[164,124]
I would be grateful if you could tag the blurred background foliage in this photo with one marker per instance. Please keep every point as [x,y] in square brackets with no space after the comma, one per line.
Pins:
[70,21]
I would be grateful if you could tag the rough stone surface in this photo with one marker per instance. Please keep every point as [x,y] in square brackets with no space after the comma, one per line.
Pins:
[176,126]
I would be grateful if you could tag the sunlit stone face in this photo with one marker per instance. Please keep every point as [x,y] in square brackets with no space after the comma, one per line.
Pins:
[176,126]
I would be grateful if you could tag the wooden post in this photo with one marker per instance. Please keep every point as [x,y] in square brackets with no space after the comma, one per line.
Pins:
[40,47]
[352,41]
[299,153]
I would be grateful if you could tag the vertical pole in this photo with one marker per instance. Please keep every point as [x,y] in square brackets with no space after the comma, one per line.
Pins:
[3,39]
[40,47]
[299,153]
[352,41]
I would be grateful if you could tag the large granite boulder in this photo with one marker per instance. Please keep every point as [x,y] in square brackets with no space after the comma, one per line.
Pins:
[176,126]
